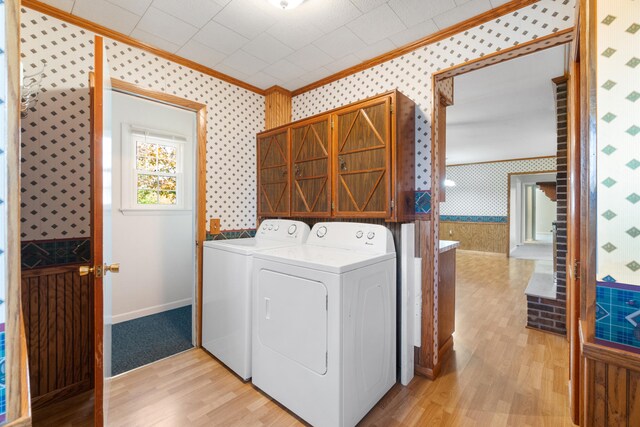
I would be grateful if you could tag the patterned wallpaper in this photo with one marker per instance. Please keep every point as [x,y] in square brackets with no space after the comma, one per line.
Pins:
[55,164]
[3,211]
[411,73]
[618,105]
[482,189]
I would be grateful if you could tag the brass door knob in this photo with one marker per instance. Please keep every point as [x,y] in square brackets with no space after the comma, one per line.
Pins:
[114,268]
[85,270]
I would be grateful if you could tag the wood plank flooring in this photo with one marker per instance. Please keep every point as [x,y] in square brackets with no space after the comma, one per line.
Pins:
[501,374]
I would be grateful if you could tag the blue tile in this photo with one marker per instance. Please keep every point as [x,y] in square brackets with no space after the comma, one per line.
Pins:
[423,202]
[36,254]
[603,294]
[601,312]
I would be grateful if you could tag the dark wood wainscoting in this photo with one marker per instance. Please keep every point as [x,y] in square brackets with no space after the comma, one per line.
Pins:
[58,314]
[477,236]
[612,386]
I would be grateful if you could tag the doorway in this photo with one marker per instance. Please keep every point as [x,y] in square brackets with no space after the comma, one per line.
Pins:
[153,230]
[532,215]
[472,189]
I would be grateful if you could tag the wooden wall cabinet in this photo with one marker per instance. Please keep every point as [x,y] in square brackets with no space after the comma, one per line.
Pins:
[273,173]
[311,168]
[357,161]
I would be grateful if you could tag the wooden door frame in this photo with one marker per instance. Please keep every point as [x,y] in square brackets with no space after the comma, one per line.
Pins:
[509,176]
[96,122]
[428,360]
[96,126]
[18,401]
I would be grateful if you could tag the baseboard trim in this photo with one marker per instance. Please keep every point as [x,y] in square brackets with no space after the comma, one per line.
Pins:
[119,318]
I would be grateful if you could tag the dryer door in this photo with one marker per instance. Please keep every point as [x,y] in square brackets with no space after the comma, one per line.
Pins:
[292,318]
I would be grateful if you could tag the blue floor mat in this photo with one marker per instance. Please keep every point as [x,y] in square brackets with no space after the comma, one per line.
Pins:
[144,340]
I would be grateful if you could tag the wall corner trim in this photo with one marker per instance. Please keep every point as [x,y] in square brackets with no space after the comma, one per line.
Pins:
[101,30]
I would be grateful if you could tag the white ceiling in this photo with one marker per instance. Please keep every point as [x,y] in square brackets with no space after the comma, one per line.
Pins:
[506,111]
[255,42]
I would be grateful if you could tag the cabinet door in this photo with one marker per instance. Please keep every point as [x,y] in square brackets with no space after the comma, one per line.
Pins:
[273,174]
[362,148]
[310,184]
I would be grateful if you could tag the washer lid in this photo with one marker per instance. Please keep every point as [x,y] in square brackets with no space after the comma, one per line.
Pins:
[321,258]
[246,246]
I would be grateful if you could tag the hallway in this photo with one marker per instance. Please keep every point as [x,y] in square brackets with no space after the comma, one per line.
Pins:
[529,389]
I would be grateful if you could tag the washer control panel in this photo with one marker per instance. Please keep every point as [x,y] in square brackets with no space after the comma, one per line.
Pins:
[352,235]
[283,229]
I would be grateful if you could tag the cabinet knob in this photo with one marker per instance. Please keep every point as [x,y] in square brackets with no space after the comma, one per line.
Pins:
[343,164]
[298,170]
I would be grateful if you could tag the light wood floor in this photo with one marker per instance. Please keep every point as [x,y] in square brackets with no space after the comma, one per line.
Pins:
[501,374]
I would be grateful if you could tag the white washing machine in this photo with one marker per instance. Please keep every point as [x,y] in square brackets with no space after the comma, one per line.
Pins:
[324,324]
[226,290]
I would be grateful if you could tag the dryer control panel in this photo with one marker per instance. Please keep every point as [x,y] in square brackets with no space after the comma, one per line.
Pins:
[284,230]
[371,238]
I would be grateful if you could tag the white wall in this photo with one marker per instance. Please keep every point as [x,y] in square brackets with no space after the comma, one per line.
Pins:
[155,250]
[545,215]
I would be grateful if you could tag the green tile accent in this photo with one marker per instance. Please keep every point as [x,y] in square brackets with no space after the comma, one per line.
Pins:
[609,247]
[609,182]
[609,214]
[633,28]
[633,198]
[608,52]
[608,19]
[609,117]
[633,266]
[633,164]
[633,62]
[609,149]
[633,232]
[633,96]
[609,84]
[633,130]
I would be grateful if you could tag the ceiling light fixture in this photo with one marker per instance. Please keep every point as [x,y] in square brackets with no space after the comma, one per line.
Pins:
[286,4]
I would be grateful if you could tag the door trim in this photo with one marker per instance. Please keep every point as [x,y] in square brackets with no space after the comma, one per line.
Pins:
[96,126]
[18,409]
[200,172]
[96,84]
[428,360]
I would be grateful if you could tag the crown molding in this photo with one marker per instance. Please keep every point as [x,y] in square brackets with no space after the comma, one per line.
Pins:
[517,159]
[480,19]
[279,89]
[114,35]
[487,16]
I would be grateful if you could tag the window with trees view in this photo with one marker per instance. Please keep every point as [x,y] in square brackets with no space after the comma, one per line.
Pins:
[152,178]
[156,173]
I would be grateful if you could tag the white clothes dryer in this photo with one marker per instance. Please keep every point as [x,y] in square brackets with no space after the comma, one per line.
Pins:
[226,290]
[324,324]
